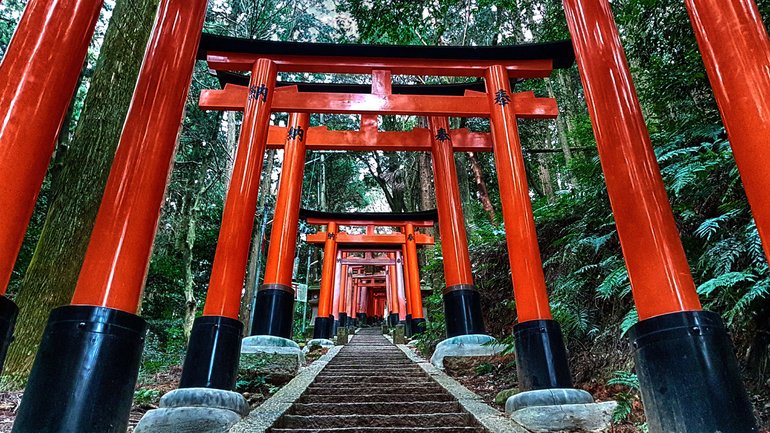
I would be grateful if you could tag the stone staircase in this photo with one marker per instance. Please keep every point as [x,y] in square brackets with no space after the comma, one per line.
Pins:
[371,386]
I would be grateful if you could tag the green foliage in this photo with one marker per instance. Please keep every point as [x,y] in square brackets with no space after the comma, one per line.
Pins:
[435,327]
[146,396]
[483,369]
[627,398]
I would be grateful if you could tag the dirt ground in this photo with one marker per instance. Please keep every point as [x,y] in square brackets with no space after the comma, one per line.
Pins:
[150,388]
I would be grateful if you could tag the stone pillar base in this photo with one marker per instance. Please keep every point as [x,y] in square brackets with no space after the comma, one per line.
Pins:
[322,342]
[465,345]
[198,410]
[342,335]
[399,334]
[274,356]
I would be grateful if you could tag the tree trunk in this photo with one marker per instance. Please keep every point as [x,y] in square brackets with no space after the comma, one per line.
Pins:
[481,187]
[461,166]
[53,271]
[560,127]
[427,201]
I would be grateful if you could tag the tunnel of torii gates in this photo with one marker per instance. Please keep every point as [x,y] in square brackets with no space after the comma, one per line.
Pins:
[344,299]
[90,353]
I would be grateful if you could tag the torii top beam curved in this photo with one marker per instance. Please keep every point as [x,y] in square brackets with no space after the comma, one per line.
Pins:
[521,61]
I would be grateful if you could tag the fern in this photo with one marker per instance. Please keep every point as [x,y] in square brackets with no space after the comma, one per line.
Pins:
[710,227]
[757,291]
[629,320]
[617,279]
[727,280]
[625,399]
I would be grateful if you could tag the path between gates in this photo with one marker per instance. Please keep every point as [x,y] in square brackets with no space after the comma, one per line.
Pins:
[371,385]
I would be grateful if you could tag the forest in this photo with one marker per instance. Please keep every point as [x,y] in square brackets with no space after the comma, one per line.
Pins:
[585,272]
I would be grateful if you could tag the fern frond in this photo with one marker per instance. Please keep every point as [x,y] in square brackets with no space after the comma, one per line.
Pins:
[727,280]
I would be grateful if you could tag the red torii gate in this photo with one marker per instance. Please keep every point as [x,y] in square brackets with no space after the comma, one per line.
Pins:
[39,73]
[403,244]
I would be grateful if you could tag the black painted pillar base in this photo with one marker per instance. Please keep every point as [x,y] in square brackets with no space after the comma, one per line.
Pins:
[84,374]
[408,331]
[361,319]
[8,313]
[323,327]
[343,318]
[274,311]
[541,357]
[689,375]
[332,326]
[393,320]
[462,311]
[213,353]
[418,326]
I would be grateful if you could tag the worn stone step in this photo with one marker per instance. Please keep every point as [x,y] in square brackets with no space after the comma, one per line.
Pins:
[367,390]
[381,429]
[372,380]
[372,372]
[374,398]
[378,408]
[404,420]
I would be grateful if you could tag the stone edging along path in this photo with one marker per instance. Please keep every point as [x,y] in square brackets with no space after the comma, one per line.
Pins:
[265,416]
[491,419]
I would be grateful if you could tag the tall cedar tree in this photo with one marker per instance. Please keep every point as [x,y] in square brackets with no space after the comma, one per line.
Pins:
[50,279]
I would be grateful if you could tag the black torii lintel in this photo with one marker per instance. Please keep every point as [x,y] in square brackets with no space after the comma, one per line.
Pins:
[454,89]
[560,52]
[428,215]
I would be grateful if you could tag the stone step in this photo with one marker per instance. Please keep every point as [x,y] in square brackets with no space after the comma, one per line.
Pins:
[404,420]
[381,430]
[374,398]
[372,372]
[372,380]
[366,390]
[377,408]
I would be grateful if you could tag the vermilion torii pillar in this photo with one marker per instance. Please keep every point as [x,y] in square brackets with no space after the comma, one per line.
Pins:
[274,313]
[736,50]
[462,303]
[38,76]
[214,349]
[324,323]
[686,366]
[413,273]
[342,288]
[91,350]
[540,352]
[401,293]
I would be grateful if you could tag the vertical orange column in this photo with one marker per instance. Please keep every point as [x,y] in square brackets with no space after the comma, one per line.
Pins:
[462,303]
[454,240]
[401,287]
[38,76]
[344,303]
[657,267]
[393,292]
[324,321]
[229,267]
[736,50]
[407,285]
[350,292]
[90,353]
[520,234]
[676,345]
[118,253]
[274,312]
[283,236]
[413,273]
[339,282]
